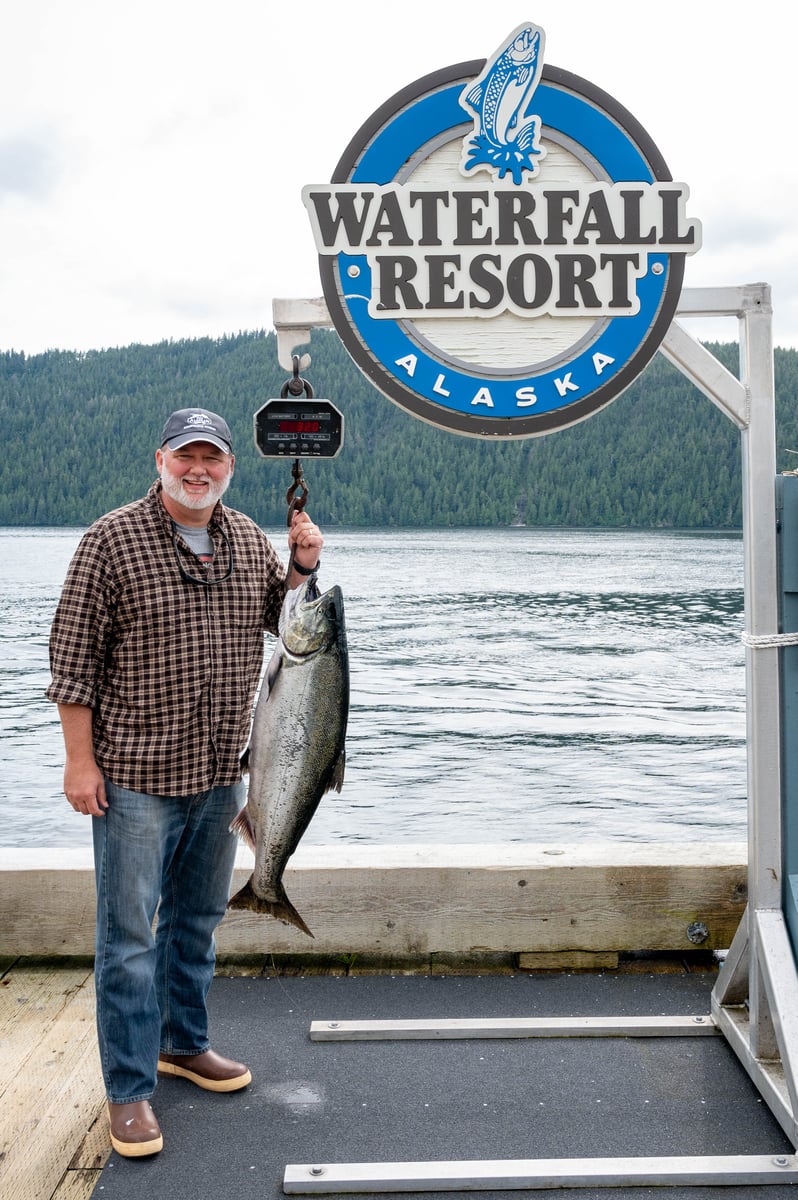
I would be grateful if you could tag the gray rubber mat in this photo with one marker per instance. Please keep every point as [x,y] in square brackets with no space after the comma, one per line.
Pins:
[351,1102]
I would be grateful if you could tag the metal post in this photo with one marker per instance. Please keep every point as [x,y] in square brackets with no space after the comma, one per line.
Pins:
[755,1000]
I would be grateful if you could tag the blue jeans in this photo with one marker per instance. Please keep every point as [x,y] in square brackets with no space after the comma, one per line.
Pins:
[151,989]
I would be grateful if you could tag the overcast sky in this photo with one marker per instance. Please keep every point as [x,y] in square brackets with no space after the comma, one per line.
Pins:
[152,154]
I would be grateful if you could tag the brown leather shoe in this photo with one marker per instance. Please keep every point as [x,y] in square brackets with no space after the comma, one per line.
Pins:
[134,1129]
[208,1070]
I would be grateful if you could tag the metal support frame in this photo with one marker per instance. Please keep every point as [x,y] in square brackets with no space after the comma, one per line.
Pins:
[464,1175]
[754,1003]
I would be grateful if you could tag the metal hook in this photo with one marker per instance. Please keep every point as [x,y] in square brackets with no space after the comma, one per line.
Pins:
[297,494]
[296,385]
[295,502]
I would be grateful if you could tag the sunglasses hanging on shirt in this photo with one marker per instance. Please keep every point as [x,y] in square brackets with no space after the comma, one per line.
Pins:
[207,580]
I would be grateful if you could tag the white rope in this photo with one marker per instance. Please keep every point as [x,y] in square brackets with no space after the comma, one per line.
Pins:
[767,641]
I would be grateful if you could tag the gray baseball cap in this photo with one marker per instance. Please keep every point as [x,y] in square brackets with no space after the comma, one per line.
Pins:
[196,425]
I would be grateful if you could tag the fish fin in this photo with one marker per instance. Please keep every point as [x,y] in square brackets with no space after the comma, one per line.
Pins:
[281,907]
[337,776]
[243,762]
[272,671]
[474,97]
[243,827]
[527,135]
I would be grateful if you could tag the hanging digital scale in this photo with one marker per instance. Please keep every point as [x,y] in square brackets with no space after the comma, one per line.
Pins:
[299,426]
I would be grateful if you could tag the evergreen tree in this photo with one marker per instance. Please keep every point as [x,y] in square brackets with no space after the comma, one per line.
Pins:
[82,430]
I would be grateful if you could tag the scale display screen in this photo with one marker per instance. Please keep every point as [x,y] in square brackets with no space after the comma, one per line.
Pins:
[299,428]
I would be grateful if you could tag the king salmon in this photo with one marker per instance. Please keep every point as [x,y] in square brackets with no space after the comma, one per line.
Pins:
[296,751]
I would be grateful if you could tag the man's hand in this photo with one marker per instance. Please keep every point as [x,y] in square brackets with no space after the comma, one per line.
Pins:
[84,785]
[305,539]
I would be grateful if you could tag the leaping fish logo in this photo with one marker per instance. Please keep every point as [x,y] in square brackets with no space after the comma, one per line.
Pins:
[505,137]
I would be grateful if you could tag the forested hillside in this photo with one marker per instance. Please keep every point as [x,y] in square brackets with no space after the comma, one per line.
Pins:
[80,431]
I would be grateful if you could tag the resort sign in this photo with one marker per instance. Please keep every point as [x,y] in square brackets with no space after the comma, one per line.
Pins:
[502,246]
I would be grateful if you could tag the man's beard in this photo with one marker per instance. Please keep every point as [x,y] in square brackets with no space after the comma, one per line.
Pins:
[173,486]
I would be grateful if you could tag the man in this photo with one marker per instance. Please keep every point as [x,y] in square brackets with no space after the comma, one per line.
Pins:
[156,650]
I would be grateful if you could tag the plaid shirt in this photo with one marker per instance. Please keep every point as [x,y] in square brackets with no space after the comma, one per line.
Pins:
[169,667]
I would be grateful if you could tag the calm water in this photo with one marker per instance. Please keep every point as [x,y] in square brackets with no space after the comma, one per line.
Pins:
[507,685]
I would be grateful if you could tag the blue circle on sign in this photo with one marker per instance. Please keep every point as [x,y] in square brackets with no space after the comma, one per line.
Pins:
[477,400]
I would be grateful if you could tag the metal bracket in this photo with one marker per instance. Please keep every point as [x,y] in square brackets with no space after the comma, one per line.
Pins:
[293,321]
[530,1174]
[534,1174]
[510,1027]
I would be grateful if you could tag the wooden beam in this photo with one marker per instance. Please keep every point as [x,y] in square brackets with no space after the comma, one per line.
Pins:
[415,900]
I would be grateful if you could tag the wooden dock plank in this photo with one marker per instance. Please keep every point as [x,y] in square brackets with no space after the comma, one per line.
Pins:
[93,1151]
[32,998]
[77,1185]
[54,1098]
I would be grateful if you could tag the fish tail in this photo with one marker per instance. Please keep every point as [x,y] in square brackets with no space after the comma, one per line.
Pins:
[281,907]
